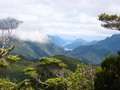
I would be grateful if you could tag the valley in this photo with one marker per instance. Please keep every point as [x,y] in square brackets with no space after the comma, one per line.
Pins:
[94,51]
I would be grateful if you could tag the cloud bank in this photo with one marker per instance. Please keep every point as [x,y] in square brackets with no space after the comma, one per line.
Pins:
[69,19]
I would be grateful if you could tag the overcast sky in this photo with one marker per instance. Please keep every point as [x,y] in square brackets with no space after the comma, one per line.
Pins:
[69,19]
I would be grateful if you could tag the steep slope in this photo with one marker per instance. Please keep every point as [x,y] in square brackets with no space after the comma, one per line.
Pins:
[91,53]
[112,42]
[32,50]
[98,51]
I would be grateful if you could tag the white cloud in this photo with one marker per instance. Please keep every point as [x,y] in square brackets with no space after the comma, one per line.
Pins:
[67,17]
[33,36]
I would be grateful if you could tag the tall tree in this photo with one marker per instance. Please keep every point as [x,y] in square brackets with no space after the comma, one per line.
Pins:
[108,76]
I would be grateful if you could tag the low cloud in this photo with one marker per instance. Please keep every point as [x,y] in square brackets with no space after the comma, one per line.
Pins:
[35,36]
[29,31]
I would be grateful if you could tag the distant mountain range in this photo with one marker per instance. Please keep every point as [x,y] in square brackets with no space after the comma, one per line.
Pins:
[58,40]
[69,44]
[95,51]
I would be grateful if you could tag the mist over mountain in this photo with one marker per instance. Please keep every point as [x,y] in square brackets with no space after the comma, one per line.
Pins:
[34,50]
[9,23]
[95,52]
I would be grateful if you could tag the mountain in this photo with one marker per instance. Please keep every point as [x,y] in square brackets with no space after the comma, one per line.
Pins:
[112,42]
[58,40]
[69,44]
[32,50]
[92,42]
[86,53]
[10,23]
[91,53]
[98,51]
[75,43]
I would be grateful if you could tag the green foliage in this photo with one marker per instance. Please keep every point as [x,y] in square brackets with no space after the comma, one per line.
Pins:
[13,58]
[70,62]
[55,83]
[16,74]
[5,84]
[108,76]
[30,72]
[6,61]
[50,61]
[111,21]
[24,85]
[2,65]
[81,79]
[50,75]
[3,50]
[33,50]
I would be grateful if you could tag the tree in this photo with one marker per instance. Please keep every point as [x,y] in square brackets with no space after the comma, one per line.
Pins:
[6,34]
[81,79]
[47,68]
[108,76]
[110,21]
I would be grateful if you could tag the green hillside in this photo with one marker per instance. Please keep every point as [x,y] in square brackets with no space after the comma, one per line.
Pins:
[91,53]
[34,50]
[71,62]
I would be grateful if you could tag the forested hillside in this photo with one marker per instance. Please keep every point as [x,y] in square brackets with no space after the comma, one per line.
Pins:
[34,50]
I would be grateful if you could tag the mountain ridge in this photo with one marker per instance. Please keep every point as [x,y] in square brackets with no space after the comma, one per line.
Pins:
[86,53]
